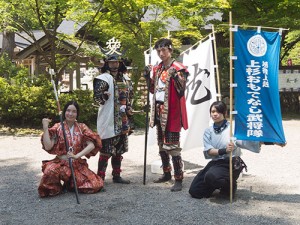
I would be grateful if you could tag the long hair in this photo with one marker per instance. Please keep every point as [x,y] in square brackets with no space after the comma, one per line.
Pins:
[72,102]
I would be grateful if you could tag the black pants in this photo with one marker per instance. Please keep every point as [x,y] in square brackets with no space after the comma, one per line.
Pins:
[214,176]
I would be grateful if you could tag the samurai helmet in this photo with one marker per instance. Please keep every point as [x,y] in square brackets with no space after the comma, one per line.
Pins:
[113,58]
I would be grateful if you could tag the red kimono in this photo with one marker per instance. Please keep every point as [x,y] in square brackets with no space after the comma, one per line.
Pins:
[57,170]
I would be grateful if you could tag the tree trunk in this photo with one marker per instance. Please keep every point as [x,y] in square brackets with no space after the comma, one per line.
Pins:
[8,44]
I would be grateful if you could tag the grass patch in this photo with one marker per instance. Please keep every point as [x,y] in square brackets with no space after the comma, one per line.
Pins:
[19,131]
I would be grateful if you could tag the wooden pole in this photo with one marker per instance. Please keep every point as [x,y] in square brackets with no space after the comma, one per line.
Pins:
[147,118]
[216,64]
[230,102]
[246,26]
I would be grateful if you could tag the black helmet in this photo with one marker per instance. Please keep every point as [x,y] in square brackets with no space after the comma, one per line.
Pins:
[122,67]
[113,58]
[122,95]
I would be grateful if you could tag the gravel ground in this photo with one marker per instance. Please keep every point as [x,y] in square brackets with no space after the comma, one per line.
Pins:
[269,193]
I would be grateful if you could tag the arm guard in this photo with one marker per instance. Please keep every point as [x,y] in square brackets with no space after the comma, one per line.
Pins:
[179,80]
[100,86]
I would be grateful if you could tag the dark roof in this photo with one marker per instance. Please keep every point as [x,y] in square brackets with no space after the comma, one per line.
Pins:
[44,43]
[66,45]
[172,24]
[23,40]
[69,27]
[20,38]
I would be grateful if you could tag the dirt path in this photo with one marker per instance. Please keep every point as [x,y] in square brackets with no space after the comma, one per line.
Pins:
[269,193]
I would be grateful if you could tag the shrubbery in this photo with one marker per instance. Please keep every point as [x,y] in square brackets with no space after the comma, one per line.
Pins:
[24,102]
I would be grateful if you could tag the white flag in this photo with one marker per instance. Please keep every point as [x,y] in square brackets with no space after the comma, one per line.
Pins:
[200,93]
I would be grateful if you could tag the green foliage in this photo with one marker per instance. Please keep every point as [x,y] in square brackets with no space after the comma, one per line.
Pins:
[24,102]
[26,17]
[25,106]
[132,22]
[291,48]
[275,13]
[7,68]
[88,110]
[140,120]
[223,65]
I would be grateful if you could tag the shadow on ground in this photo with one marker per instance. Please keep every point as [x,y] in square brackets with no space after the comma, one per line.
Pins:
[135,203]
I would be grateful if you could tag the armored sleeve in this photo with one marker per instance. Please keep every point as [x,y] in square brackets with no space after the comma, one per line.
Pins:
[180,78]
[151,81]
[100,86]
[131,93]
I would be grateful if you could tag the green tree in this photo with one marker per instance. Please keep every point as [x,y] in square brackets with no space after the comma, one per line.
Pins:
[27,16]
[132,22]
[275,13]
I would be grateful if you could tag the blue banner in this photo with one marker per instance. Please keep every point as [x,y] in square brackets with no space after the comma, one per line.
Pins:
[257,99]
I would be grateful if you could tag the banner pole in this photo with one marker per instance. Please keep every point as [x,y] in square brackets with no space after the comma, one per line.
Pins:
[147,117]
[230,102]
[200,41]
[247,26]
[219,96]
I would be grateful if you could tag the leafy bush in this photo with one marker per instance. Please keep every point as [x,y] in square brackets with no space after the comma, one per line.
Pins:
[7,68]
[88,111]
[25,105]
[25,101]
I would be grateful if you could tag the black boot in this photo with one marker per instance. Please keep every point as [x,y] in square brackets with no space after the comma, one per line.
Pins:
[164,178]
[120,180]
[165,159]
[116,165]
[102,165]
[225,192]
[177,186]
[178,173]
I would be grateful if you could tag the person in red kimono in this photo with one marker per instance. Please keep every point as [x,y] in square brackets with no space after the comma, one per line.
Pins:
[82,142]
[168,113]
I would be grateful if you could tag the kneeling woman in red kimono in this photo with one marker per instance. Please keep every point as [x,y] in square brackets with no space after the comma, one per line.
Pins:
[82,142]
